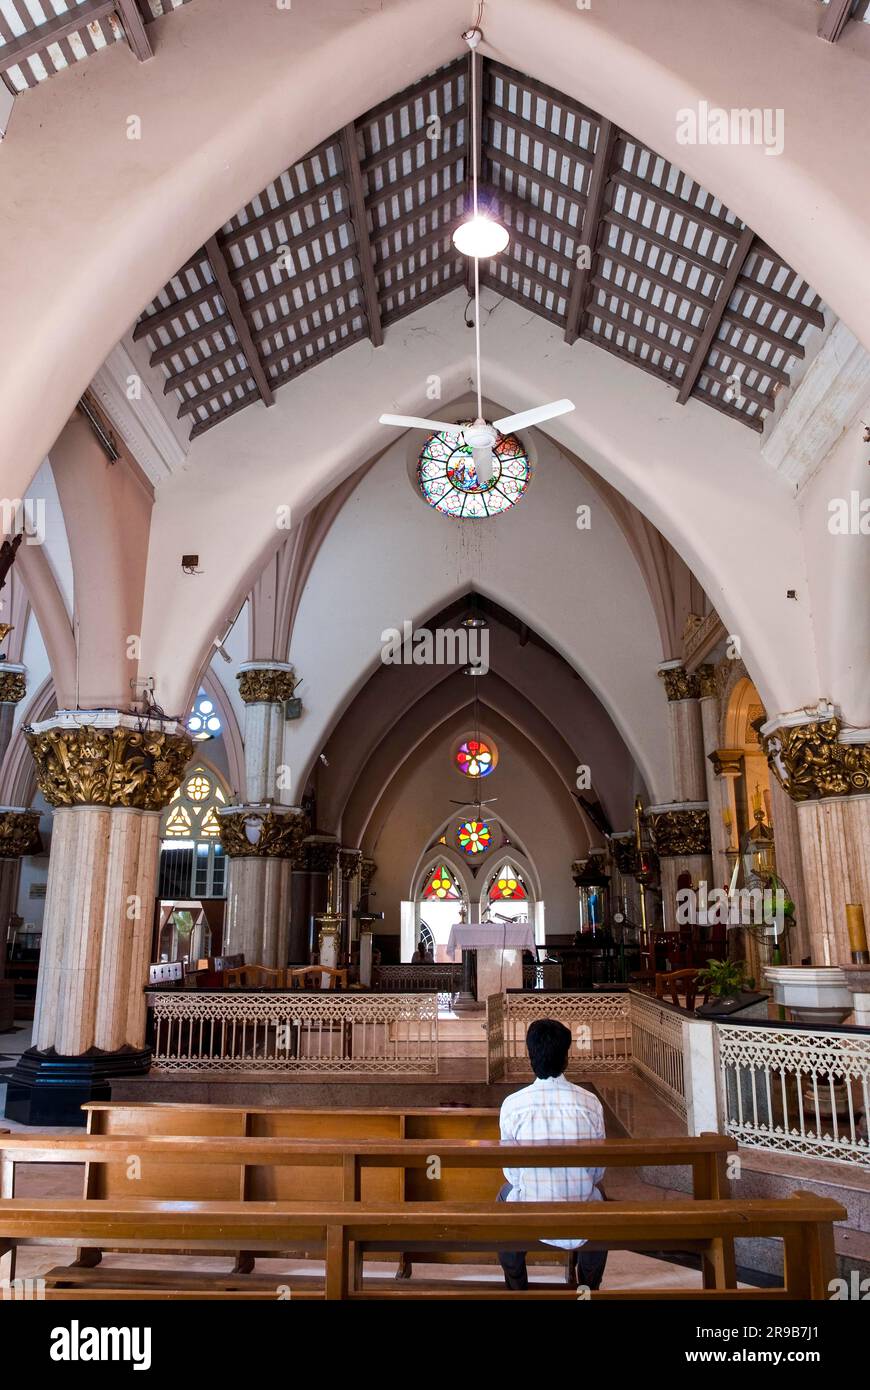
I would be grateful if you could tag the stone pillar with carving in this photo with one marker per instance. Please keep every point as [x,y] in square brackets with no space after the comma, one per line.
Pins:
[350,865]
[684,823]
[726,765]
[368,869]
[265,686]
[322,867]
[825,770]
[19,835]
[12,690]
[108,776]
[263,844]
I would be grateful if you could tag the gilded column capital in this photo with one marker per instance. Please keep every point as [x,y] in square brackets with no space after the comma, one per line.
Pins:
[104,758]
[266,682]
[19,832]
[680,830]
[624,850]
[368,870]
[263,832]
[13,685]
[349,861]
[321,854]
[707,684]
[816,758]
[680,684]
[727,762]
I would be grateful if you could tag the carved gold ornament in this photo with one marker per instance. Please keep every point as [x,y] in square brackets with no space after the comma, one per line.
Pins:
[680,684]
[280,835]
[367,872]
[707,686]
[349,862]
[12,685]
[679,832]
[19,834]
[809,762]
[321,856]
[266,685]
[88,766]
[624,852]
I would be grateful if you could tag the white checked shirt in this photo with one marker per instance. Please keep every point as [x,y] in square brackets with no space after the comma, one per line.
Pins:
[552,1111]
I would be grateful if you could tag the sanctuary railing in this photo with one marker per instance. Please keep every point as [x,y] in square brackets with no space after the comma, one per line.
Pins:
[293,1031]
[799,1090]
[600,1027]
[658,1039]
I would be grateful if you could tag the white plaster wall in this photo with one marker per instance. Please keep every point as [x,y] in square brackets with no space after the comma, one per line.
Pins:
[389,558]
[226,673]
[35,658]
[43,489]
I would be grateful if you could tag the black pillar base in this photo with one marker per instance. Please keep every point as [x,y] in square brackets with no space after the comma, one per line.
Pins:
[47,1089]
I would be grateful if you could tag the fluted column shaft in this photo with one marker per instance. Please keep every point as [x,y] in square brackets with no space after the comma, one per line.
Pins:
[835,848]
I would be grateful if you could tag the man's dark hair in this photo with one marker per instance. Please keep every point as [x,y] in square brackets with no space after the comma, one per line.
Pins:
[549,1045]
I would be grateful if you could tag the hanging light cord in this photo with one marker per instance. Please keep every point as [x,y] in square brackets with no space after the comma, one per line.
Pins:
[474,144]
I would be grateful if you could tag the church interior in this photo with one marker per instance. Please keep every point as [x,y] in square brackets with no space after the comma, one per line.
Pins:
[434,595]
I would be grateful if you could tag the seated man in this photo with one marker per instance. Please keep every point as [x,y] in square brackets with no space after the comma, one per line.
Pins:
[551,1110]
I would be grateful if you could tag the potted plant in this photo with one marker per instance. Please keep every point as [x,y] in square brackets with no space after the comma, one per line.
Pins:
[728,985]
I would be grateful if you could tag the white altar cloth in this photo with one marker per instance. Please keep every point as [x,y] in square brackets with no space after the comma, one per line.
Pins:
[490,936]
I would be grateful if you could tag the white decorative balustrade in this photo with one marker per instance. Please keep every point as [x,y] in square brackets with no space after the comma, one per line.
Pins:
[798,1090]
[600,1026]
[294,1031]
[657,1049]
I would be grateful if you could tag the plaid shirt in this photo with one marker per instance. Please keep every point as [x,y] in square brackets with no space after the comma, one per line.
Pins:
[552,1111]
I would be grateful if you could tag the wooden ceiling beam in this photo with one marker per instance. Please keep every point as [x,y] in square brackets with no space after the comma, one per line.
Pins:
[195,336]
[53,30]
[716,314]
[237,317]
[359,218]
[608,138]
[228,385]
[176,310]
[834,20]
[134,28]
[473,148]
[283,322]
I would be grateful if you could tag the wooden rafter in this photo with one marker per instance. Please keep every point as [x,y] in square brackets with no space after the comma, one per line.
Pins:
[237,318]
[608,136]
[72,21]
[834,20]
[135,30]
[53,30]
[716,314]
[359,217]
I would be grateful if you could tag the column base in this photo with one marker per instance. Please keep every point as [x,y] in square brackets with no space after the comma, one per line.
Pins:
[47,1089]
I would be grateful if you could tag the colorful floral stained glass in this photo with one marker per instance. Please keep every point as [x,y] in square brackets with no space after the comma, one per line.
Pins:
[475,758]
[441,885]
[449,483]
[508,885]
[473,837]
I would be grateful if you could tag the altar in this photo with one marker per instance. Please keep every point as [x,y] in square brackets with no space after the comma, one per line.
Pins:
[499,950]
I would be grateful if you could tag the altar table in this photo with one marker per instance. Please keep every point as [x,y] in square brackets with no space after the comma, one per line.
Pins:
[499,947]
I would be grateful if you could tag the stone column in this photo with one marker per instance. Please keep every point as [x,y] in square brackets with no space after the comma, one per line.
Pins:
[681,839]
[264,686]
[321,867]
[19,835]
[726,765]
[263,845]
[825,770]
[350,866]
[108,775]
[12,689]
[685,821]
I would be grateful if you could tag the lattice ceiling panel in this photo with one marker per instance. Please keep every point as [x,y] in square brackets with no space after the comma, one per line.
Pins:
[39,38]
[608,240]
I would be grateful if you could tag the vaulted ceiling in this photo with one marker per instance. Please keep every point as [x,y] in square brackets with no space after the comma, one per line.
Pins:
[39,38]
[357,235]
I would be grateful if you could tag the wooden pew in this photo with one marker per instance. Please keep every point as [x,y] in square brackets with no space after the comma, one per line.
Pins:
[348,1231]
[318,1170]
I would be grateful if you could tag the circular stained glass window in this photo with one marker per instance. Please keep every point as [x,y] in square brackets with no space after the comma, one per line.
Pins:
[473,837]
[474,758]
[448,479]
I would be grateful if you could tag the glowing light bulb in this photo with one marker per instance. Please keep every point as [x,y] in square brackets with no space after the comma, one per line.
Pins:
[480,237]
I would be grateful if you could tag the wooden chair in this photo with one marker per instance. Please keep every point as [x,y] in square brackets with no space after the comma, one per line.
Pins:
[673,983]
[310,977]
[253,977]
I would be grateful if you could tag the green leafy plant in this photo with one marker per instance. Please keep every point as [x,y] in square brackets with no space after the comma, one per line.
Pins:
[183,920]
[724,978]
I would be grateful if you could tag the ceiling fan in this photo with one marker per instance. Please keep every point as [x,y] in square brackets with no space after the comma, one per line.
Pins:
[472,237]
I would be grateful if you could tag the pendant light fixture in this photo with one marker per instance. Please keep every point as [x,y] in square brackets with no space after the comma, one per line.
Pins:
[480,237]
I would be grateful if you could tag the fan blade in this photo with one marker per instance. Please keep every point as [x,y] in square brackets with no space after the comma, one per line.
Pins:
[532,417]
[484,465]
[412,422]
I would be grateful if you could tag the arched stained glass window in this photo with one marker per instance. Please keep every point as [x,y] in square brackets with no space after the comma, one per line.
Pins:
[449,483]
[473,837]
[441,885]
[203,721]
[475,758]
[192,862]
[508,885]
